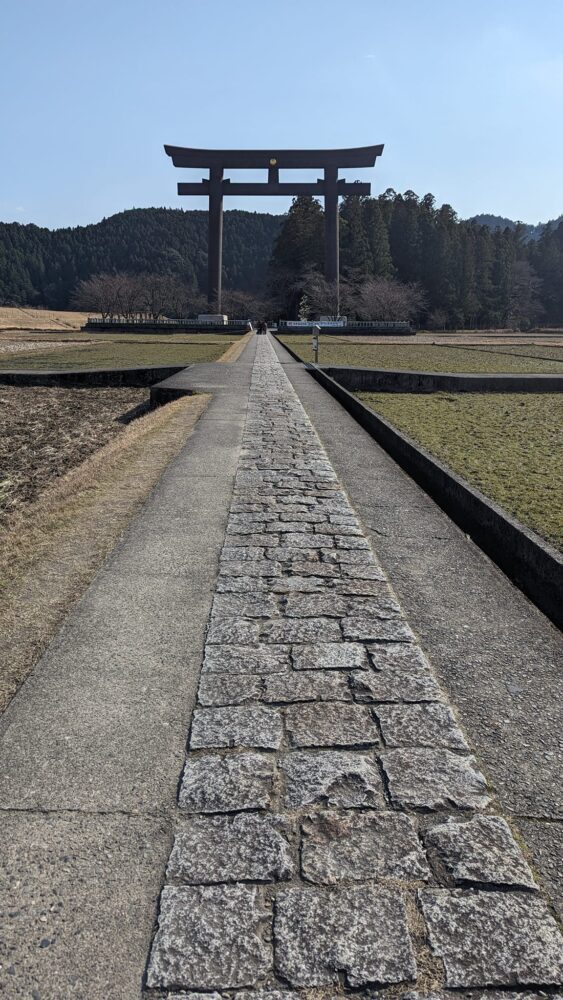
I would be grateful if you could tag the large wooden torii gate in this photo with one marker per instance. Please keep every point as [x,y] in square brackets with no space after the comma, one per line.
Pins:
[217,186]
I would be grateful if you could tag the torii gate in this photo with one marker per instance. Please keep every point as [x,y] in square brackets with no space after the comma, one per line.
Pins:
[272,160]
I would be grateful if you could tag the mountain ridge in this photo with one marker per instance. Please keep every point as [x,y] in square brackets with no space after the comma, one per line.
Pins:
[531,232]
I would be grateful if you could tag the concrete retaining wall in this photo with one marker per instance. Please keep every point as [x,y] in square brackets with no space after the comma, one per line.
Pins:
[89,377]
[382,380]
[163,328]
[533,565]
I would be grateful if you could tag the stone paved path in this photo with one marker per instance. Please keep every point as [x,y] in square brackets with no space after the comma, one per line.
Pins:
[334,830]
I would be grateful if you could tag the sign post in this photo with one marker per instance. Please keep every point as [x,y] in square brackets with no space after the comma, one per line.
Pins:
[316,332]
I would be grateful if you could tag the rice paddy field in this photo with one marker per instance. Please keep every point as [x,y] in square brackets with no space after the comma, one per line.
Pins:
[509,446]
[111,351]
[521,358]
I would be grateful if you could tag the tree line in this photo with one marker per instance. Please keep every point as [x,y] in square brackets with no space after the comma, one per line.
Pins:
[402,257]
[42,267]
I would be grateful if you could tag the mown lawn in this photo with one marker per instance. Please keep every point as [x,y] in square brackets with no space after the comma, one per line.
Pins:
[111,354]
[509,446]
[423,357]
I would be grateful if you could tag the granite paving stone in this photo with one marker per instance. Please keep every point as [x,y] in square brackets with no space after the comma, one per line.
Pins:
[245,847]
[290,553]
[367,588]
[434,779]
[493,938]
[262,567]
[359,932]
[245,541]
[300,630]
[242,553]
[244,606]
[354,557]
[314,605]
[300,585]
[308,685]
[368,571]
[240,659]
[236,726]
[214,784]
[243,585]
[224,689]
[377,629]
[361,846]
[337,778]
[426,725]
[330,656]
[229,631]
[308,540]
[330,724]
[209,937]
[395,683]
[481,850]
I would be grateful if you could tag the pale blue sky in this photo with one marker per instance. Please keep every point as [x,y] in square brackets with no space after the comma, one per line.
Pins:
[467,96]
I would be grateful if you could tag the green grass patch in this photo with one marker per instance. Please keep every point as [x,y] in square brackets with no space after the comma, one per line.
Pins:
[509,446]
[116,355]
[420,357]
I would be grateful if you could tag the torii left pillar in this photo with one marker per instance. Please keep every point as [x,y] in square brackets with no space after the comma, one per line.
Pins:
[332,245]
[215,244]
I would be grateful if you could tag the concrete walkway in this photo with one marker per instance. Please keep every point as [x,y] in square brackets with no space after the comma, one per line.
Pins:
[92,746]
[332,828]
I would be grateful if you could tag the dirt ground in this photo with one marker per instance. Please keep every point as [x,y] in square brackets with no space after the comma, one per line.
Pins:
[46,431]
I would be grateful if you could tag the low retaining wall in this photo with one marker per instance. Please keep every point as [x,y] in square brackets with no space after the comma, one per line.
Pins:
[382,380]
[533,565]
[163,327]
[91,376]
[346,331]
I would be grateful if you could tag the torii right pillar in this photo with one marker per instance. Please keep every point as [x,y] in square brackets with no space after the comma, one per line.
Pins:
[332,245]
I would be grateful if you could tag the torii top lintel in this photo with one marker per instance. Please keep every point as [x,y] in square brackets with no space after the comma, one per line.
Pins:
[251,159]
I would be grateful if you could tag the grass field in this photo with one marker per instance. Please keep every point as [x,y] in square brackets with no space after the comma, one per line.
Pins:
[429,358]
[119,353]
[509,446]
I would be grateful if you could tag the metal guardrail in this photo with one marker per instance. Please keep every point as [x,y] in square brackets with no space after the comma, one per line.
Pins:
[164,323]
[377,326]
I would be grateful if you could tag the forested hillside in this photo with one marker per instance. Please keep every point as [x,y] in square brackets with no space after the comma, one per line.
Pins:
[42,267]
[501,222]
[457,273]
[401,256]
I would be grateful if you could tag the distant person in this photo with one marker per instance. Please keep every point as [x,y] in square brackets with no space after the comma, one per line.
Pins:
[262,326]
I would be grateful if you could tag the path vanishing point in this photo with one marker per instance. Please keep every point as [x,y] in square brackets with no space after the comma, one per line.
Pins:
[299,739]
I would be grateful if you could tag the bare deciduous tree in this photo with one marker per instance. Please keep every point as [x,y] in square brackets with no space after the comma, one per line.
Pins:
[389,299]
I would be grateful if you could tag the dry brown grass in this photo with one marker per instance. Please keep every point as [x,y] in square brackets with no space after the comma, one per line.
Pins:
[234,352]
[26,318]
[52,549]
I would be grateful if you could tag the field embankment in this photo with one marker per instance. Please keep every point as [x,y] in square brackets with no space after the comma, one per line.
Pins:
[51,546]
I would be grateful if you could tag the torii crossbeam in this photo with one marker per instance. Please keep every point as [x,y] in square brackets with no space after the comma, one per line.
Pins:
[272,160]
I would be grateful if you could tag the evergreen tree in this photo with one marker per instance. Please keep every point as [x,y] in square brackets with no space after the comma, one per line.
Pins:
[381,264]
[355,252]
